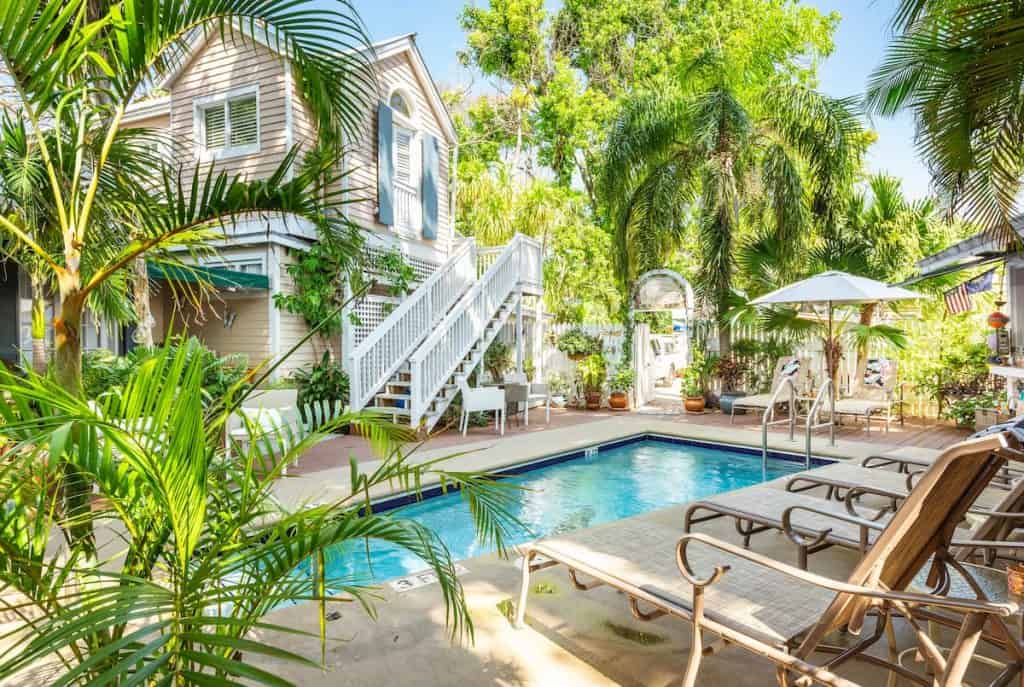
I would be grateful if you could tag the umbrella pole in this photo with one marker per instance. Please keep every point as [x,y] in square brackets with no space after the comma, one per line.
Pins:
[832,381]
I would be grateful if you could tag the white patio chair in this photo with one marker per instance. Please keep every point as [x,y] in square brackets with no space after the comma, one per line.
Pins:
[276,429]
[481,400]
[537,393]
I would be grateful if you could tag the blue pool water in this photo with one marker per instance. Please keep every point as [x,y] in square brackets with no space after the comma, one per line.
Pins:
[611,484]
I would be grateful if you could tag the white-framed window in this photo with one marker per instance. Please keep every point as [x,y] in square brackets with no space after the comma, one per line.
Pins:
[228,124]
[252,265]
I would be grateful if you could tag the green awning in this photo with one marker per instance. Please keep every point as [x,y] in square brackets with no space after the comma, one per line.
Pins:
[220,278]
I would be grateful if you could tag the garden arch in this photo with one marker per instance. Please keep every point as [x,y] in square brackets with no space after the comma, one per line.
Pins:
[655,291]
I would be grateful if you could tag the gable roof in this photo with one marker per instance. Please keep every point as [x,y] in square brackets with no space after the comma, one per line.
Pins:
[376,53]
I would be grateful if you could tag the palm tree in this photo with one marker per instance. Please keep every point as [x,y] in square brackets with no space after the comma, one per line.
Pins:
[76,65]
[956,66]
[80,64]
[880,235]
[781,161]
[203,549]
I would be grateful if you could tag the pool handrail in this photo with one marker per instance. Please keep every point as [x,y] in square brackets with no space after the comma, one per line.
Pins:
[815,409]
[769,412]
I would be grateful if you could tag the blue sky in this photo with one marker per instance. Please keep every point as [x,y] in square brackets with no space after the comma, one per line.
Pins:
[860,44]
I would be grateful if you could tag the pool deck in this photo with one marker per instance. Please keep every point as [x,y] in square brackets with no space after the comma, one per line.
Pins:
[323,474]
[572,638]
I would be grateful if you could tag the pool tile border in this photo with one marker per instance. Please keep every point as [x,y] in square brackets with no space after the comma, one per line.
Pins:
[395,501]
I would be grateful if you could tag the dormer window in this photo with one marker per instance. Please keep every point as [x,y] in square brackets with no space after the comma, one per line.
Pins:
[227,125]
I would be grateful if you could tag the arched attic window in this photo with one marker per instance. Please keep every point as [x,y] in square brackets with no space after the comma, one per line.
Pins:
[400,103]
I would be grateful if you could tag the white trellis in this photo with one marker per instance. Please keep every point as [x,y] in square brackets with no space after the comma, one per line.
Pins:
[655,291]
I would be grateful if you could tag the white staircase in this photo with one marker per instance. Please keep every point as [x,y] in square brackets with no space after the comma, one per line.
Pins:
[408,365]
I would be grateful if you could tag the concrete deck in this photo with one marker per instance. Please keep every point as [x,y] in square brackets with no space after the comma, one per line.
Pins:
[323,475]
[573,638]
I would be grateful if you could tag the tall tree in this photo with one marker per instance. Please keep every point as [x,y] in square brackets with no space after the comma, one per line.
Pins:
[783,157]
[76,76]
[955,65]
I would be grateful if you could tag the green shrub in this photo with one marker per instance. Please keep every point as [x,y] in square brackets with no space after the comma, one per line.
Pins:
[577,343]
[323,383]
[592,371]
[623,379]
[962,410]
[498,359]
[103,371]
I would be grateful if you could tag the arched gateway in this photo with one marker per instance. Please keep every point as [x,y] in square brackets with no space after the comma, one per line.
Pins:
[655,291]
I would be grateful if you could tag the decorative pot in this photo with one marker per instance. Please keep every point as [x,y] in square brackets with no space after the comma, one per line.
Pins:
[618,400]
[558,401]
[576,357]
[1015,580]
[593,400]
[998,320]
[726,400]
[694,404]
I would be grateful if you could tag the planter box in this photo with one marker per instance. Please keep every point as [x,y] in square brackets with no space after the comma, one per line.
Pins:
[986,417]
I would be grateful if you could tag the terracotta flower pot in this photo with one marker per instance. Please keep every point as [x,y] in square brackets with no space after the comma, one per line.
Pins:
[618,400]
[694,404]
[593,400]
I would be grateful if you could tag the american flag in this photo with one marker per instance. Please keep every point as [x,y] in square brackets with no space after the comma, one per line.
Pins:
[958,300]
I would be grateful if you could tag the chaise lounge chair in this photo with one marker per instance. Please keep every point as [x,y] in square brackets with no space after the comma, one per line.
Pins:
[913,458]
[838,478]
[876,395]
[788,367]
[814,524]
[784,613]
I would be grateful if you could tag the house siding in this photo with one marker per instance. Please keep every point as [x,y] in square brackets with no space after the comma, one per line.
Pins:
[394,72]
[160,121]
[225,64]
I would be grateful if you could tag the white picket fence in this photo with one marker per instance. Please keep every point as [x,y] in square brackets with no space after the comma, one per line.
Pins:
[612,337]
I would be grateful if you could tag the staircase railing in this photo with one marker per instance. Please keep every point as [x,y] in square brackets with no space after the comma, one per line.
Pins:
[377,358]
[437,358]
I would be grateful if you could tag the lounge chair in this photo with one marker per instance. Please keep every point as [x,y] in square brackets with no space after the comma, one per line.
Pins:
[814,524]
[784,613]
[838,478]
[876,395]
[787,367]
[907,459]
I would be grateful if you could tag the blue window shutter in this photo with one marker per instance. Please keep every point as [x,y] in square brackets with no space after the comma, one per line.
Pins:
[385,166]
[431,186]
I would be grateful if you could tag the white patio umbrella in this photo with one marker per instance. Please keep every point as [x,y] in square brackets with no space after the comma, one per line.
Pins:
[831,289]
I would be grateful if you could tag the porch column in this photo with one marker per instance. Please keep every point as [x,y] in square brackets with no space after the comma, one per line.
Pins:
[538,340]
[519,332]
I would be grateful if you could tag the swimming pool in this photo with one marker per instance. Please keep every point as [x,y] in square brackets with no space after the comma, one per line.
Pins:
[570,492]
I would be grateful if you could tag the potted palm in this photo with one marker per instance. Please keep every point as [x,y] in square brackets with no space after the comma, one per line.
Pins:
[620,385]
[693,390]
[695,382]
[592,371]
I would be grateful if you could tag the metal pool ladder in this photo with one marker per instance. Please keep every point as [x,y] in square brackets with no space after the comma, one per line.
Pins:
[815,410]
[769,418]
